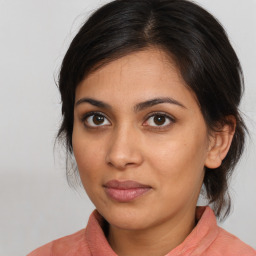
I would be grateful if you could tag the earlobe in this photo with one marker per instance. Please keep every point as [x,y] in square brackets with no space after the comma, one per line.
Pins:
[219,144]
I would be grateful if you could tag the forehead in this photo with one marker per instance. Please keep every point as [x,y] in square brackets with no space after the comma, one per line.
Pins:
[137,76]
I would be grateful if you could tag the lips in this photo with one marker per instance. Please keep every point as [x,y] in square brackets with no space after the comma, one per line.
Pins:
[125,191]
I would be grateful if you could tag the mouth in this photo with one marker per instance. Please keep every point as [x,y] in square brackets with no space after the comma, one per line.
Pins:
[125,191]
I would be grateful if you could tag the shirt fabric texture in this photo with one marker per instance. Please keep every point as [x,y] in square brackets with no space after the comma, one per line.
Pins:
[206,239]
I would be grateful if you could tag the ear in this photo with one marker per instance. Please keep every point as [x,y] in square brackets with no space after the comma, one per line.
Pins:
[220,142]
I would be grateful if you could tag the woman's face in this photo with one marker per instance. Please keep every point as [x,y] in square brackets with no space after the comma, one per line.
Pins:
[140,141]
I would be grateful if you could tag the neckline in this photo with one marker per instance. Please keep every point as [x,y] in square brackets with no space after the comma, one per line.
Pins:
[200,238]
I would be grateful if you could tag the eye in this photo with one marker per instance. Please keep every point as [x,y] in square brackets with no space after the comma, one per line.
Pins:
[159,120]
[95,120]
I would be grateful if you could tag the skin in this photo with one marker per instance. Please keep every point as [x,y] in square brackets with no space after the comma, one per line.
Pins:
[130,145]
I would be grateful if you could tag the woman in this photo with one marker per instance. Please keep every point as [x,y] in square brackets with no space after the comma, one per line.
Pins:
[150,92]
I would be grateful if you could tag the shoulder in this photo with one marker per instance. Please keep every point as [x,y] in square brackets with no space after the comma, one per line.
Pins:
[209,239]
[74,244]
[229,245]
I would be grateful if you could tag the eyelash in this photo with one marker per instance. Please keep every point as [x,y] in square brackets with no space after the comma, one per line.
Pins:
[154,114]
[91,114]
[166,116]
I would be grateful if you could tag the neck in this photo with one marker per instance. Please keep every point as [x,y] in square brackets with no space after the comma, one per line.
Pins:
[157,240]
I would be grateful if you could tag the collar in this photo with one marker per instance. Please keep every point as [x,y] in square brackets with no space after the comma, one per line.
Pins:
[200,238]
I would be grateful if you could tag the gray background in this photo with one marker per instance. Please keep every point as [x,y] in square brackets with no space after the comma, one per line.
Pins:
[37,205]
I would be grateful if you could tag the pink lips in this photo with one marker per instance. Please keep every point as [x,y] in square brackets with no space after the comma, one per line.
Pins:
[125,191]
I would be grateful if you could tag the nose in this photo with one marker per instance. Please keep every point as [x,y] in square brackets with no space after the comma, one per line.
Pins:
[124,149]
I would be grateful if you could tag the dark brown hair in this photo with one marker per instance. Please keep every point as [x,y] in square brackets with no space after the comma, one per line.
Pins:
[193,38]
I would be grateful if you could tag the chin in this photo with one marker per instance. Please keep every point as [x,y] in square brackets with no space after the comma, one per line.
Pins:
[126,217]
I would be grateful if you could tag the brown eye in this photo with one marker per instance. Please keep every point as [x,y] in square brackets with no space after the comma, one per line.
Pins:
[94,120]
[97,119]
[159,120]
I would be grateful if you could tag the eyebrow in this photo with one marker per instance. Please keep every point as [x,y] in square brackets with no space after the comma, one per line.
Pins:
[149,103]
[93,102]
[138,107]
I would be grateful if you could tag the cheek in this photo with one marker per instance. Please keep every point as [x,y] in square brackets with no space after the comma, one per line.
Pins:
[89,163]
[180,157]
[178,171]
[87,156]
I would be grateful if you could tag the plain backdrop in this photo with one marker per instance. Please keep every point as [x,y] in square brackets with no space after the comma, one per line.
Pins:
[36,204]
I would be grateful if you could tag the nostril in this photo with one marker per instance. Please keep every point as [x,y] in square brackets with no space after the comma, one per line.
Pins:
[123,162]
[123,152]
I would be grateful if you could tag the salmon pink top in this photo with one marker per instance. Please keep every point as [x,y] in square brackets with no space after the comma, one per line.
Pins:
[206,239]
